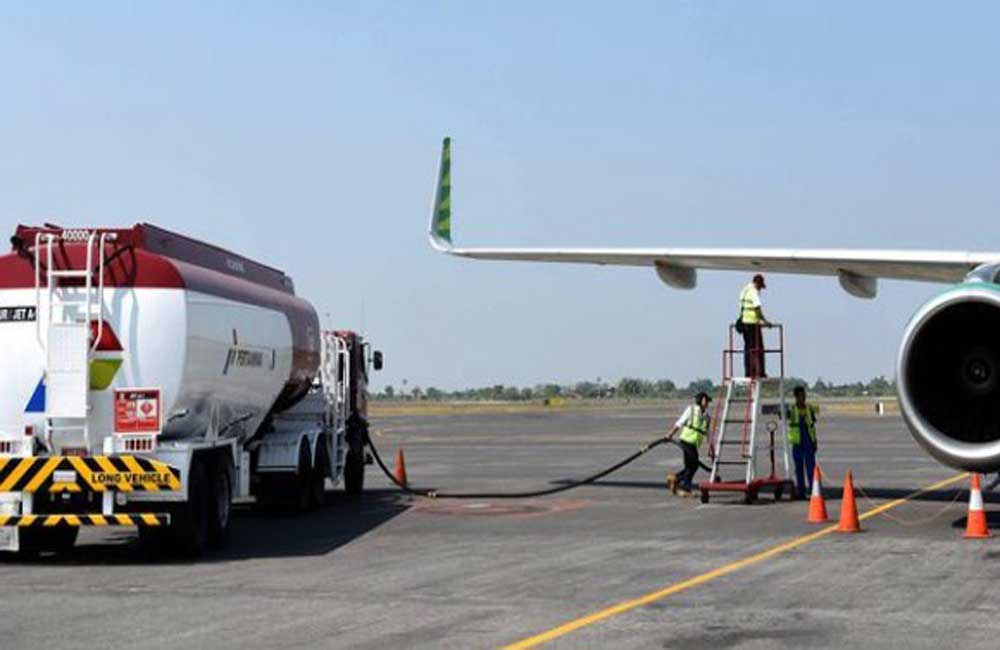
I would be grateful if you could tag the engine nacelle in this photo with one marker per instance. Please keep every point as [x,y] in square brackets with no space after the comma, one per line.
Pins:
[948,373]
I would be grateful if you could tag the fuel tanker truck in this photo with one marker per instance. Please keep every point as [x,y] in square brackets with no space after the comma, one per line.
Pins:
[152,380]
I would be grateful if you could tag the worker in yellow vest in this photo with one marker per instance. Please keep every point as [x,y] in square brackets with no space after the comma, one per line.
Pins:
[693,426]
[751,321]
[801,418]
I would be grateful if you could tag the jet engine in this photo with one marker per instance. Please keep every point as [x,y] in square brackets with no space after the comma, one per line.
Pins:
[948,372]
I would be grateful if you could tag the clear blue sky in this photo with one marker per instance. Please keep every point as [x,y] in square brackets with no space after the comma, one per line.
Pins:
[306,134]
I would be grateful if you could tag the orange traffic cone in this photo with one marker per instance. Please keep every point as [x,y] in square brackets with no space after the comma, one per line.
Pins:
[848,509]
[817,506]
[975,523]
[400,468]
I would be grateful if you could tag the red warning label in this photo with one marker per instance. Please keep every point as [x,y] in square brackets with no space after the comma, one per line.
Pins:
[137,410]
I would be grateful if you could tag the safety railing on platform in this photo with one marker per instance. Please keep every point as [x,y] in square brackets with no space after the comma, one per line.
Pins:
[730,353]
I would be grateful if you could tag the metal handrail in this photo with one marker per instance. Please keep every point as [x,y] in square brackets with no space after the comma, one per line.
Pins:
[95,304]
[729,353]
[100,288]
[38,291]
[94,300]
[335,383]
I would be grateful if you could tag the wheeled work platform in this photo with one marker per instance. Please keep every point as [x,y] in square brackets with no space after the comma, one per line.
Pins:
[743,402]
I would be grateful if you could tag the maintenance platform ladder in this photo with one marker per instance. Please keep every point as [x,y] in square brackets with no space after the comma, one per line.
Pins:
[735,443]
[69,322]
[736,447]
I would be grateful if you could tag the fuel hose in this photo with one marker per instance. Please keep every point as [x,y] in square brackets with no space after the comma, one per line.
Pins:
[562,487]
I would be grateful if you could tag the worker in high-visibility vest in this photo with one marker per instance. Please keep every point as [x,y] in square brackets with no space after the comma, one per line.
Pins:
[693,426]
[801,418]
[752,319]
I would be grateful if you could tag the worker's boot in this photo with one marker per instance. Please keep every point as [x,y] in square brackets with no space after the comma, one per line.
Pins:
[672,482]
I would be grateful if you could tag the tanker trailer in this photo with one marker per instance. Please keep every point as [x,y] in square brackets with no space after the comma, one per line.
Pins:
[152,379]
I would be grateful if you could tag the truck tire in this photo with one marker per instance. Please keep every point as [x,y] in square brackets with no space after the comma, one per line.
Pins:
[189,530]
[220,502]
[321,469]
[59,539]
[354,472]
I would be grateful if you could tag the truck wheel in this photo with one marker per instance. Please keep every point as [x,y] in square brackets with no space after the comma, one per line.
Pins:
[59,539]
[189,532]
[321,468]
[354,472]
[220,502]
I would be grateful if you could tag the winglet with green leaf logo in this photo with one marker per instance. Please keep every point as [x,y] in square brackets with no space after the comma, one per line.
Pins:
[440,231]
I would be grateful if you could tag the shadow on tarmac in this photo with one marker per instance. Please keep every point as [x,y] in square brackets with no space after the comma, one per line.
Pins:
[835,493]
[992,521]
[253,534]
[908,493]
[268,533]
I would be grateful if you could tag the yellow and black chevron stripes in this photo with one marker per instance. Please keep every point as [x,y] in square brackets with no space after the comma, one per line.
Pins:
[51,521]
[65,487]
[96,473]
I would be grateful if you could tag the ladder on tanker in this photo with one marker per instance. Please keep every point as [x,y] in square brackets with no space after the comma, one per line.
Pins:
[735,443]
[69,324]
[335,381]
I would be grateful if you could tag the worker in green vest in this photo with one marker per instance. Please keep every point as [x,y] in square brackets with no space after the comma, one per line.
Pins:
[801,418]
[751,321]
[693,426]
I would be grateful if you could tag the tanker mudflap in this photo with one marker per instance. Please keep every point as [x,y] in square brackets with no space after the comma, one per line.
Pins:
[94,473]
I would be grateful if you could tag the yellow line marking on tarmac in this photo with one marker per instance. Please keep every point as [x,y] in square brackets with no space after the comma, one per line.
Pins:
[628,605]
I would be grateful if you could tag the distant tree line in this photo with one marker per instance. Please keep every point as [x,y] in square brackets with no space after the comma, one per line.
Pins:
[626,388]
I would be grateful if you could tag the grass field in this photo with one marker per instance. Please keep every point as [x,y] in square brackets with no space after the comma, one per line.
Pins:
[385,408]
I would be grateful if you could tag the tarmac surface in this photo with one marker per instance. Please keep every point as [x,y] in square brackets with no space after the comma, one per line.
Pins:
[389,570]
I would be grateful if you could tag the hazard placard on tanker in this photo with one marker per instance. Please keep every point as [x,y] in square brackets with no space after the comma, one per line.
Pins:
[137,411]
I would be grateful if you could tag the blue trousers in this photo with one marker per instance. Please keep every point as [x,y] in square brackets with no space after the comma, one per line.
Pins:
[805,464]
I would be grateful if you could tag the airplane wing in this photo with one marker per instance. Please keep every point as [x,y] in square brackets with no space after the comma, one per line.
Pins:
[857,270]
